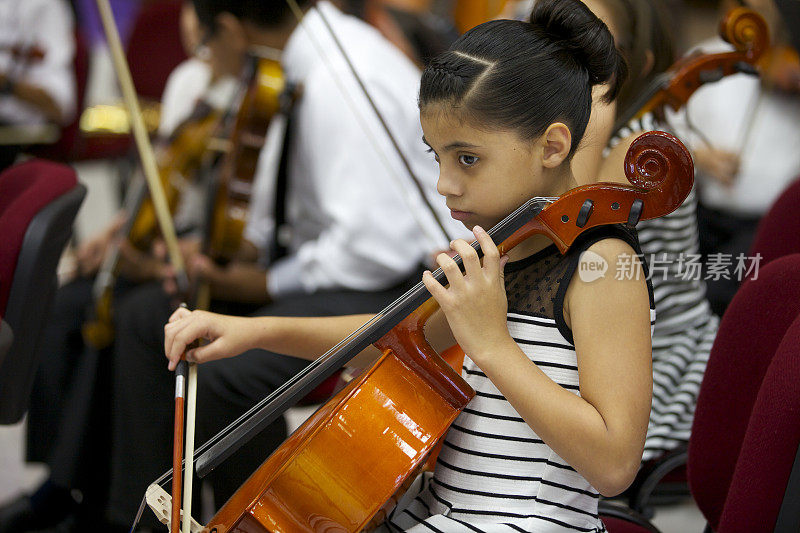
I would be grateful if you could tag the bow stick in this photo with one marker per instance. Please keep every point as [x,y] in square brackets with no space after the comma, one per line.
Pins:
[298,13]
[164,218]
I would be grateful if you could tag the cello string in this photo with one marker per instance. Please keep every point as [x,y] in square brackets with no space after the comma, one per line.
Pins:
[354,336]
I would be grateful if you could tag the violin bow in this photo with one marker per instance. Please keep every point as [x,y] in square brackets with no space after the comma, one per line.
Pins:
[184,376]
[298,13]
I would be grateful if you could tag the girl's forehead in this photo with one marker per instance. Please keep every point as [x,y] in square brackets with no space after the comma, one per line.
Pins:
[442,125]
[440,114]
[440,119]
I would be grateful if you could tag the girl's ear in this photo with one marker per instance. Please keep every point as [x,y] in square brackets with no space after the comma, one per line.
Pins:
[557,141]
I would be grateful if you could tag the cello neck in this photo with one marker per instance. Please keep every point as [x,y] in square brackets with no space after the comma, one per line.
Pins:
[274,405]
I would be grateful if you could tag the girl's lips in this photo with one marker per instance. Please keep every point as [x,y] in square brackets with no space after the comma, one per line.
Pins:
[459,215]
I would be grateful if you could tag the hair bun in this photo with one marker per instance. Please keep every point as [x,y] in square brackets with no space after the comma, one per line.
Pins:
[572,26]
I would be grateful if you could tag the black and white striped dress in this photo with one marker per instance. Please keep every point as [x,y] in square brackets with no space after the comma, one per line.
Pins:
[686,327]
[494,474]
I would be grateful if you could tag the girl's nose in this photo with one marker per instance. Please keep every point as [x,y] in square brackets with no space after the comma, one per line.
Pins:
[448,185]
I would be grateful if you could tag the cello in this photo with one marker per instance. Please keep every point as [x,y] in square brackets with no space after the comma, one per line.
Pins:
[742,27]
[340,467]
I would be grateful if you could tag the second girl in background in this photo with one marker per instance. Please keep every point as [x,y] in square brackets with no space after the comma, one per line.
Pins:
[686,327]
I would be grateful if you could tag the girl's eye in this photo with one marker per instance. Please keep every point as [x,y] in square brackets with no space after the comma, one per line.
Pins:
[467,160]
[435,155]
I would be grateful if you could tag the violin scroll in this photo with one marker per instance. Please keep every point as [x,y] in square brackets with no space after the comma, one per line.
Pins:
[747,31]
[659,163]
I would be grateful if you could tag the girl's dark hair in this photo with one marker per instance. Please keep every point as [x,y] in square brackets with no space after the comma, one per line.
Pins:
[643,26]
[262,13]
[524,76]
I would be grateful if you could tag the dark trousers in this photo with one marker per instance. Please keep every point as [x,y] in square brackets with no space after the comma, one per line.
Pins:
[8,154]
[724,233]
[144,392]
[69,418]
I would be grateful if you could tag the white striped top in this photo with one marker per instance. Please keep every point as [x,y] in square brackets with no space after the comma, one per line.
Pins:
[494,474]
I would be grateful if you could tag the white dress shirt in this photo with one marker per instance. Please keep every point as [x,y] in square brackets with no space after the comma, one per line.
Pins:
[48,25]
[357,221]
[187,84]
[769,153]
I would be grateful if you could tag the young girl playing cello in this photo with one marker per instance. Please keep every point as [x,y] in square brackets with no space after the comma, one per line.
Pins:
[560,361]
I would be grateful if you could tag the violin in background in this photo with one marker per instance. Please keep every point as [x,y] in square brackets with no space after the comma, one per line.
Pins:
[232,188]
[178,162]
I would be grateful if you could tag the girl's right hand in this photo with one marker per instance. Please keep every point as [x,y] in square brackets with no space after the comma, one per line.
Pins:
[227,336]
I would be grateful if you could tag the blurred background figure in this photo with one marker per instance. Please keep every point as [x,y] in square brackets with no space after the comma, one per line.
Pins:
[743,132]
[37,82]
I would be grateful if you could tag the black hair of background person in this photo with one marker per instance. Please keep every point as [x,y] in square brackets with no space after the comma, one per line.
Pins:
[262,13]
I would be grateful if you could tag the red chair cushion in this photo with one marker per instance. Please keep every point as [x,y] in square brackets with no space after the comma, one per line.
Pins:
[618,525]
[24,190]
[770,444]
[749,333]
[155,47]
[779,231]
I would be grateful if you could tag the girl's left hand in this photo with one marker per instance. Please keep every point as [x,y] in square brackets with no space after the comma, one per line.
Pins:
[475,302]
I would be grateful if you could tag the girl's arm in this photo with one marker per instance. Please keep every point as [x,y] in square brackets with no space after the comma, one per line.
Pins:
[600,434]
[227,336]
[302,337]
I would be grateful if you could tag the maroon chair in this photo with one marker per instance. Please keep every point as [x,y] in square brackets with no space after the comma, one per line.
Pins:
[764,494]
[621,519]
[154,47]
[38,204]
[748,337]
[778,232]
[664,479]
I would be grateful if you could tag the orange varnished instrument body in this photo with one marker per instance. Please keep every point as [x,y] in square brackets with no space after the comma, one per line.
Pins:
[319,479]
[338,470]
[232,198]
